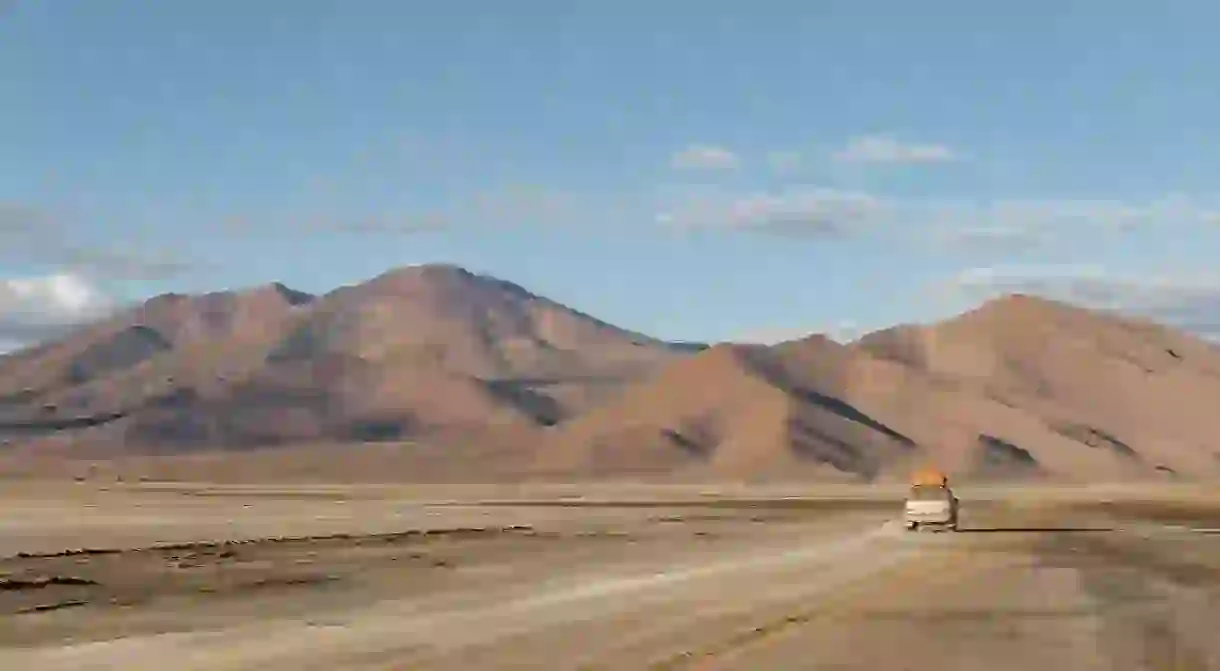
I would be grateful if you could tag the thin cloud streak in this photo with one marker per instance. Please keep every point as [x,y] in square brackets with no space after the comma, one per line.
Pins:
[704,157]
[1190,303]
[961,225]
[885,149]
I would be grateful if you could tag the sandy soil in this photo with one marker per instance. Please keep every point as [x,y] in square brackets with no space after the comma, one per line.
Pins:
[392,578]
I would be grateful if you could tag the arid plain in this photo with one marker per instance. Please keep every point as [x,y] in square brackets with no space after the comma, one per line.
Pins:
[613,576]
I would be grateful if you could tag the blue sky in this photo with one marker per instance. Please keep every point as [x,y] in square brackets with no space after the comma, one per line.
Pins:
[694,170]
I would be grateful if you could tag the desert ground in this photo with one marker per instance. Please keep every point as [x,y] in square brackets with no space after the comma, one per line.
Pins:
[197,576]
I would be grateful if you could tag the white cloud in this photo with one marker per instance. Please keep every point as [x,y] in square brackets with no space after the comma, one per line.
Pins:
[814,210]
[888,150]
[991,237]
[35,308]
[703,157]
[1005,225]
[962,225]
[1190,303]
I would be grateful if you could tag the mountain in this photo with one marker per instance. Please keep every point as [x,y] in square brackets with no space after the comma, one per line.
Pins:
[1072,392]
[425,351]
[489,380]
[1020,387]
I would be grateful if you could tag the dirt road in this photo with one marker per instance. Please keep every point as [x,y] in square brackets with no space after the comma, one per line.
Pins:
[702,584]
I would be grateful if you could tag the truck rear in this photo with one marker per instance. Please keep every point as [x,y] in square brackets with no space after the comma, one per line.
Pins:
[931,506]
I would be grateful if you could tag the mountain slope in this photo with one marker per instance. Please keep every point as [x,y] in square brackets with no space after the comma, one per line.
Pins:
[733,409]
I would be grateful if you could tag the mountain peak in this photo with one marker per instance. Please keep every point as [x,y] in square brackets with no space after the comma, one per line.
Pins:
[448,274]
[291,296]
[1024,300]
[429,270]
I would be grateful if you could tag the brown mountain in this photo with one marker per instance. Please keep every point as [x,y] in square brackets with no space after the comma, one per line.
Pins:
[1020,387]
[425,351]
[1081,393]
[510,381]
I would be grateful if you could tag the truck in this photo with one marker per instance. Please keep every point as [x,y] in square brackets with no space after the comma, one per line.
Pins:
[930,504]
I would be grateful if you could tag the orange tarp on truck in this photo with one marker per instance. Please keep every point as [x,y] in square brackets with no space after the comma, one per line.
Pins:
[929,476]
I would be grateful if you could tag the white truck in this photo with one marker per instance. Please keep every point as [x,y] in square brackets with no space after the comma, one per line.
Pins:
[931,506]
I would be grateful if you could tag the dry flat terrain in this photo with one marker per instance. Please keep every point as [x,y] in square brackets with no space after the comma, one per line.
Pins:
[210,577]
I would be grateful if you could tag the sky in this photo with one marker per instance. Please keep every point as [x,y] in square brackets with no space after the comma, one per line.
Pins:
[692,170]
